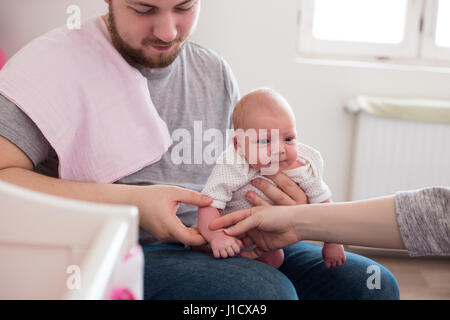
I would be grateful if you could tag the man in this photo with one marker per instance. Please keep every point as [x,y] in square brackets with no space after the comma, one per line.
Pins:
[188,85]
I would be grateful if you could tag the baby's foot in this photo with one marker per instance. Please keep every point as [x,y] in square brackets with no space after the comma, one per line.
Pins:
[225,246]
[333,255]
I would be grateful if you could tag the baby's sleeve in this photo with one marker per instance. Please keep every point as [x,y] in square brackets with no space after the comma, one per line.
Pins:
[228,175]
[315,189]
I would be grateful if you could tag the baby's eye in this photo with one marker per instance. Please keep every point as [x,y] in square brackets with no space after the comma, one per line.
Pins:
[289,139]
[263,141]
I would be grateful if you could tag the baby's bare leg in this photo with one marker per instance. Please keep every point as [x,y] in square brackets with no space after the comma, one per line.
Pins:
[221,244]
[273,258]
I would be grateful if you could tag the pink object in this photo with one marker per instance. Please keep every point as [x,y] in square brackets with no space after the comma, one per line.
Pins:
[90,104]
[120,293]
[2,59]
[127,280]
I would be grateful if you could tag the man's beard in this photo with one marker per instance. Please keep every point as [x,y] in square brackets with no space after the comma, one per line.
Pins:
[136,57]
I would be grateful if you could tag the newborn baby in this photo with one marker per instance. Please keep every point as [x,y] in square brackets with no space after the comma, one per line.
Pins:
[264,143]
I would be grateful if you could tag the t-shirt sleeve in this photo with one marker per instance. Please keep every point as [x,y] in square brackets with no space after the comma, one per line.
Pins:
[229,174]
[231,86]
[18,128]
[423,218]
[316,189]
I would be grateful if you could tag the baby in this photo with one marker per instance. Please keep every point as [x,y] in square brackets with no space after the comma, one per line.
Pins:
[264,143]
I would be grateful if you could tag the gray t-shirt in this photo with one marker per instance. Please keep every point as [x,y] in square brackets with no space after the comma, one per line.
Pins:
[423,218]
[195,93]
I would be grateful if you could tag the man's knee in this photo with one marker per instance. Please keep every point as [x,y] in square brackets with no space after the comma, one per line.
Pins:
[197,275]
[267,283]
[380,284]
[372,281]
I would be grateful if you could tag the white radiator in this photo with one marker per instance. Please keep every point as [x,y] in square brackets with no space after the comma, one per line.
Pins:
[392,155]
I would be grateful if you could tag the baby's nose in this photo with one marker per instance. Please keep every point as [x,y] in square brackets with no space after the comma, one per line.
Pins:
[278,150]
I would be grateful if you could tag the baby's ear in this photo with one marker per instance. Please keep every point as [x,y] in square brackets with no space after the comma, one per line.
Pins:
[237,145]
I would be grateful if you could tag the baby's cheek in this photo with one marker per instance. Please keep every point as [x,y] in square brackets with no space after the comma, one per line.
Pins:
[264,156]
[251,154]
[294,152]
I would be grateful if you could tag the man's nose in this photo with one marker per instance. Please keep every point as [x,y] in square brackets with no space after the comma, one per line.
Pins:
[165,28]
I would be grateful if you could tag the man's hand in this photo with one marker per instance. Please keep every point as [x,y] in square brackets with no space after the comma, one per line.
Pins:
[269,227]
[158,206]
[285,193]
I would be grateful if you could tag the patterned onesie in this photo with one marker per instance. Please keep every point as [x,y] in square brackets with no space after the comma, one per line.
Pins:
[231,179]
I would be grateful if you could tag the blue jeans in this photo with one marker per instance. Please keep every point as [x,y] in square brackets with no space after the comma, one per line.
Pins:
[173,272]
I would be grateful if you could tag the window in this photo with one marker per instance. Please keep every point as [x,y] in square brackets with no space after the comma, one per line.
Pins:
[436,30]
[415,29]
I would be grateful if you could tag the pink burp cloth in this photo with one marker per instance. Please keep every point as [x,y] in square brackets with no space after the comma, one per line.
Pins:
[90,104]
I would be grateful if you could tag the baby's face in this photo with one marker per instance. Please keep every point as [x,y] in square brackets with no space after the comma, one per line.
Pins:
[271,146]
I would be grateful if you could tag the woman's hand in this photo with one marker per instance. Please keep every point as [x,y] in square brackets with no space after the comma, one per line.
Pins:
[269,227]
[285,193]
[158,206]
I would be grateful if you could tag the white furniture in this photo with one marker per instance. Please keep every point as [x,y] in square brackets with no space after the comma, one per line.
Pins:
[55,248]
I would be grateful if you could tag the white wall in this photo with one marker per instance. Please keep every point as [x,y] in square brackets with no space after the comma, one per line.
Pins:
[23,20]
[258,39]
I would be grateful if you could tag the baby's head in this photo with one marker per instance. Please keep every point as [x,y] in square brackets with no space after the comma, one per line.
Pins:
[265,130]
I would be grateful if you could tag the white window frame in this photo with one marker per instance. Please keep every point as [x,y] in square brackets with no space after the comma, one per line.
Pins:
[418,43]
[429,48]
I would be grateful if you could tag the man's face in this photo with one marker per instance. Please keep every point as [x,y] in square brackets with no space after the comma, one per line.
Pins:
[151,33]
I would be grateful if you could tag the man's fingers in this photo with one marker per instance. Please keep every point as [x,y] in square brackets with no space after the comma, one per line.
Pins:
[249,254]
[252,254]
[255,199]
[247,242]
[289,187]
[230,219]
[183,234]
[192,197]
[273,193]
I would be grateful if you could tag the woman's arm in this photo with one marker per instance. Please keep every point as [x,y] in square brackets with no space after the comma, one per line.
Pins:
[369,223]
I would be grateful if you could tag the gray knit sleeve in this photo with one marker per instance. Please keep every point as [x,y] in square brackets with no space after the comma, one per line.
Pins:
[424,220]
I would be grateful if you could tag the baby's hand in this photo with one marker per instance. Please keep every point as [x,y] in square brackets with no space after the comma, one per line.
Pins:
[225,246]
[333,255]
